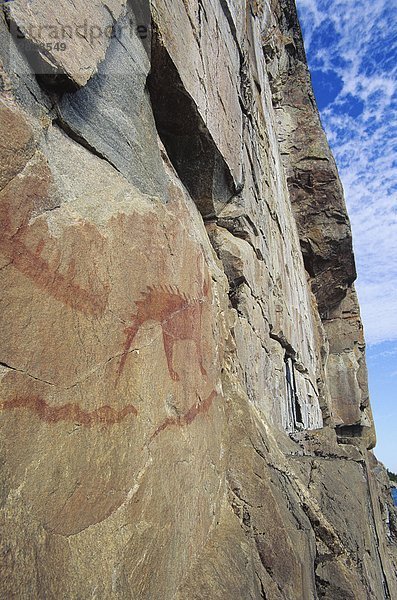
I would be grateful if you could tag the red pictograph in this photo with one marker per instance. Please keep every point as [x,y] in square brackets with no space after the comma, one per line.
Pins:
[45,273]
[180,318]
[104,415]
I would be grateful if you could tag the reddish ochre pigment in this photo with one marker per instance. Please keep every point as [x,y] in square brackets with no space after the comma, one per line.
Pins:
[194,411]
[46,275]
[180,319]
[105,415]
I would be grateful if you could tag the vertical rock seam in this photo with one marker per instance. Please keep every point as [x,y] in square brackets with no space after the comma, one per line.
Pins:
[184,408]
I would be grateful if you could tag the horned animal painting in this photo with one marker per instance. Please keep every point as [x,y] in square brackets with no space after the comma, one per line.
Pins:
[180,318]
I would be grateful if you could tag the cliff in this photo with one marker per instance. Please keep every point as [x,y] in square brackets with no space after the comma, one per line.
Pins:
[184,404]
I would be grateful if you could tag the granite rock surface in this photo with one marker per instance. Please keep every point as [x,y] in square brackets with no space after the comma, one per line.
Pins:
[184,408]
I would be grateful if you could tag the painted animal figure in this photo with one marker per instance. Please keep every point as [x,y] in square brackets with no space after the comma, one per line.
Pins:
[180,319]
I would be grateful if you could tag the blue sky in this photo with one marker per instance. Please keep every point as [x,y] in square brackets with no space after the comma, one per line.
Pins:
[352,53]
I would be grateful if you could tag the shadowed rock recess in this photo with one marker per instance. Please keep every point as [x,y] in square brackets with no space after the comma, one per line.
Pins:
[184,407]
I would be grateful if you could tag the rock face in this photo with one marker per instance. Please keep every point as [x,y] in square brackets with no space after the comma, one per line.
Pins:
[184,406]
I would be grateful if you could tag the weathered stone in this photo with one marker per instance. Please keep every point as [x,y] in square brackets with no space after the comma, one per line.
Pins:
[112,115]
[347,371]
[214,90]
[183,394]
[84,30]
[315,188]
[17,145]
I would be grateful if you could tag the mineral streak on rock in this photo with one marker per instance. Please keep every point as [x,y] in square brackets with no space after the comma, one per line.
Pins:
[184,405]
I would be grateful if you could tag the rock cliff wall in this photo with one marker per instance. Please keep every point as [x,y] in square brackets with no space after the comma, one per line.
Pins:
[184,405]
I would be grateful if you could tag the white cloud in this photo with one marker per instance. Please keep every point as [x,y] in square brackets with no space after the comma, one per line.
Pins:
[375,354]
[357,40]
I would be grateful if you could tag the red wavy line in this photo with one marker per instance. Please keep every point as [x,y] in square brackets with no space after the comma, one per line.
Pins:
[105,415]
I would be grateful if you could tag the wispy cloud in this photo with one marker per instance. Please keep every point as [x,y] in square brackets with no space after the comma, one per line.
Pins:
[375,354]
[358,42]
